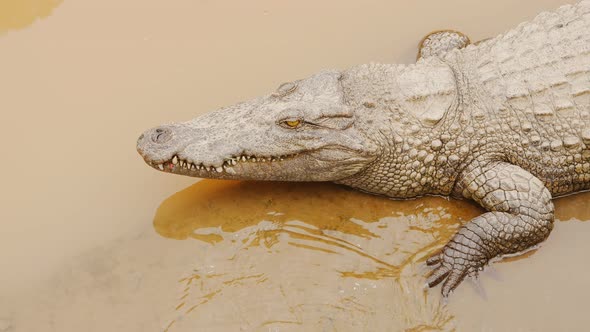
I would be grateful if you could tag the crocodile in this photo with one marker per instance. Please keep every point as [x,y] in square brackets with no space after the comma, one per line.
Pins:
[505,123]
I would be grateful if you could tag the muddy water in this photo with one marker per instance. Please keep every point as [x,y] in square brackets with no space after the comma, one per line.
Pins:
[93,240]
[18,14]
[313,255]
[287,256]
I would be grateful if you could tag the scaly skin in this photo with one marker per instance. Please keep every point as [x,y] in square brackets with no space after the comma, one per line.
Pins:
[439,42]
[505,123]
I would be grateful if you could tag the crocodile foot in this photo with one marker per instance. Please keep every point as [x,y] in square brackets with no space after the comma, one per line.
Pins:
[457,260]
[519,217]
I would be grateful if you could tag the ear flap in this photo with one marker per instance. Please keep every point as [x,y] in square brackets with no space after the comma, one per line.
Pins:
[427,91]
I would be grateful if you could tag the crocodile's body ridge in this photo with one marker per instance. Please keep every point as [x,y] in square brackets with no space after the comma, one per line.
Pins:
[505,123]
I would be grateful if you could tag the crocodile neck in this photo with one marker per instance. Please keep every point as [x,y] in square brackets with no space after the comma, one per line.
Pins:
[422,148]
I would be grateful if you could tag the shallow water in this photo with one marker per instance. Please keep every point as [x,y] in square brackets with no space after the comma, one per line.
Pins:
[320,256]
[91,239]
[231,256]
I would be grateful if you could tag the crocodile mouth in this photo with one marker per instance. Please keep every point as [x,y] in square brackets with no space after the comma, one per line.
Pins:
[178,165]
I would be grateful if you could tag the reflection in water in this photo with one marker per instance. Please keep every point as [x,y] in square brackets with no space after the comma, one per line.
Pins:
[313,256]
[309,255]
[18,14]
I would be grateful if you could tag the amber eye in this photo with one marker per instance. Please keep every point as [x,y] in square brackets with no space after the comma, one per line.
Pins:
[292,124]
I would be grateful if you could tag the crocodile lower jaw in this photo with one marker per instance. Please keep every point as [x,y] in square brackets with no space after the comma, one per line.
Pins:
[183,166]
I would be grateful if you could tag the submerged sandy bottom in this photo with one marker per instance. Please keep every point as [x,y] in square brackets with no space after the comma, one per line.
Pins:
[248,256]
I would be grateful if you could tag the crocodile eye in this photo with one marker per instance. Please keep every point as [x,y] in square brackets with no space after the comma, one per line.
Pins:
[291,123]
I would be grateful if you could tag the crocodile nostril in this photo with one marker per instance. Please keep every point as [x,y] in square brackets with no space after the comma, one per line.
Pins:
[161,135]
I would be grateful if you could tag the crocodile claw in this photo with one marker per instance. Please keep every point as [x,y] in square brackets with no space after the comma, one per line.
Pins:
[451,266]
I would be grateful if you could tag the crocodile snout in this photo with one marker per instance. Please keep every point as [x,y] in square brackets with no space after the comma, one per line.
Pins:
[161,135]
[160,142]
[156,136]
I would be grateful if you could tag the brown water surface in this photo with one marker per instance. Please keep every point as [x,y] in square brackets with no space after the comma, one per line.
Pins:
[321,255]
[18,14]
[93,240]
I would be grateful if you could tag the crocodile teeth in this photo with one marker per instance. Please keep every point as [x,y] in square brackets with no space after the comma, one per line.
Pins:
[227,164]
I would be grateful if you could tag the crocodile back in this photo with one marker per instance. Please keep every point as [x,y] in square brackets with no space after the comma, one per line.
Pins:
[531,91]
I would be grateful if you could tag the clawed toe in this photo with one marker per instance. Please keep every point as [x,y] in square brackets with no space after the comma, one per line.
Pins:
[453,280]
[451,272]
[438,275]
[434,260]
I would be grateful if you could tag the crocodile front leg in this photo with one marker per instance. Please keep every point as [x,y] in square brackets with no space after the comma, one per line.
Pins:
[520,216]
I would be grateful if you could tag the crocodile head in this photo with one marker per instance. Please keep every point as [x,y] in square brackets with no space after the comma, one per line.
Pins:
[304,131]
